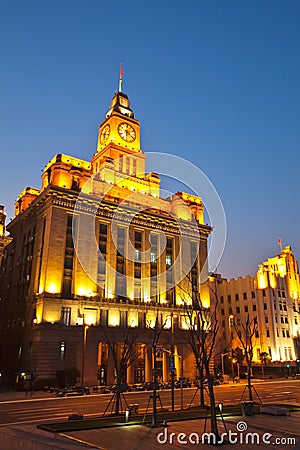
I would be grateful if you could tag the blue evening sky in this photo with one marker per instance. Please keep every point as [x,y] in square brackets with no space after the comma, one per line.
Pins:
[216,82]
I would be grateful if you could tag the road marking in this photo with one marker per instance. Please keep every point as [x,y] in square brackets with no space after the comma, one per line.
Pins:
[25,400]
[80,441]
[22,422]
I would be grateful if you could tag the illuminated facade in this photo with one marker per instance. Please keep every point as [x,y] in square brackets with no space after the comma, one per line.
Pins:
[48,297]
[273,297]
[4,240]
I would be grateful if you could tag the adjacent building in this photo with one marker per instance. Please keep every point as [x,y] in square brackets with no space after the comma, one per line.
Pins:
[272,298]
[4,239]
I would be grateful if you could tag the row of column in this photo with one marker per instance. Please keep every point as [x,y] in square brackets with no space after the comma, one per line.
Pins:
[148,367]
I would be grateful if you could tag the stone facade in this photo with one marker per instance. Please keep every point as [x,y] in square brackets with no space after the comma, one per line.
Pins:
[68,285]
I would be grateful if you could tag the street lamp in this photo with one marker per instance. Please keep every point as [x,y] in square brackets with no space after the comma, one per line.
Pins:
[231,318]
[85,328]
[171,362]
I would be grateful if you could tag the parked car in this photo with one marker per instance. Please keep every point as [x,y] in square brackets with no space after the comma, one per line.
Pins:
[150,385]
[101,389]
[183,383]
[215,382]
[123,387]
[73,390]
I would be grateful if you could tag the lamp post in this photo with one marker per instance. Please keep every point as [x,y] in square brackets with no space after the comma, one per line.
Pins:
[85,328]
[231,318]
[172,368]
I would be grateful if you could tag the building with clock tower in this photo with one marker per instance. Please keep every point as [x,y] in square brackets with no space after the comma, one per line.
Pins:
[56,315]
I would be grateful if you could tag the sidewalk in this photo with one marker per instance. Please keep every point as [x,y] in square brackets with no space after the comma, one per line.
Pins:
[21,395]
[138,437]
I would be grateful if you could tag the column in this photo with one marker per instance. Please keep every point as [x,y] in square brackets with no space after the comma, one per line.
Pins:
[110,369]
[148,365]
[176,362]
[130,369]
[165,367]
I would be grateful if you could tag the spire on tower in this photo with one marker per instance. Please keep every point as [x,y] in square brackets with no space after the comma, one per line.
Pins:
[121,77]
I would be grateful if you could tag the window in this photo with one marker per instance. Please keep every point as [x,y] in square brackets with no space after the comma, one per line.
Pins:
[153,257]
[265,306]
[264,292]
[222,311]
[253,294]
[287,333]
[245,295]
[65,316]
[286,320]
[168,260]
[236,297]
[222,299]
[230,310]
[266,319]
[69,256]
[256,334]
[277,332]
[103,239]
[134,167]
[229,298]
[253,307]
[237,309]
[283,332]
[62,350]
[268,333]
[245,308]
[223,323]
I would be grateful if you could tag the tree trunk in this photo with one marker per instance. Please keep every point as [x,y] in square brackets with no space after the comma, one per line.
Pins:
[249,382]
[154,423]
[213,411]
[118,395]
[201,387]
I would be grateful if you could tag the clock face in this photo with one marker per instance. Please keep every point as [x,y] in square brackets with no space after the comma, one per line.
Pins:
[126,132]
[104,134]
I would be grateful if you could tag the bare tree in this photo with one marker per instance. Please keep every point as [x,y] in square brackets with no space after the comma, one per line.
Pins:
[123,355]
[246,333]
[157,330]
[203,332]
[264,358]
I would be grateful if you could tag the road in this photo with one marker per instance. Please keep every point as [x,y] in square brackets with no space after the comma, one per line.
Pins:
[37,410]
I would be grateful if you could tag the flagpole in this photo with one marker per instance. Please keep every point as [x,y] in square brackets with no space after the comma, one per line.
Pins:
[121,77]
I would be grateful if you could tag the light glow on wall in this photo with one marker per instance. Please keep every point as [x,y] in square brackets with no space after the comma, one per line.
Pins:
[52,288]
[84,292]
[132,319]
[90,316]
[150,319]
[113,318]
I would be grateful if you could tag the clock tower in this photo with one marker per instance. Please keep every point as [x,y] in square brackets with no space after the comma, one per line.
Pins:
[118,134]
